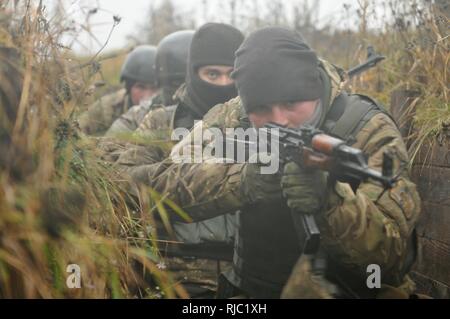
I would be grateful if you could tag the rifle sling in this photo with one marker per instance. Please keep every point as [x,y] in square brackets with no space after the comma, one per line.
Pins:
[349,114]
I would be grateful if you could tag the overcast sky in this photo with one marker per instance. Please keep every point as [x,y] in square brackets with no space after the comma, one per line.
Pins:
[133,12]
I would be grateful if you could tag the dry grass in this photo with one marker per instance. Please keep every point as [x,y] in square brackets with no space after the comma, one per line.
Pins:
[413,35]
[60,204]
[418,51]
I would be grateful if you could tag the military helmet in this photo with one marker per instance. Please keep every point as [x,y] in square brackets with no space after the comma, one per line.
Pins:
[140,65]
[172,55]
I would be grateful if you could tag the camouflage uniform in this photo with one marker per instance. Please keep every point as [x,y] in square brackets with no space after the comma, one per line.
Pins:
[182,114]
[207,245]
[356,229]
[158,124]
[130,121]
[101,115]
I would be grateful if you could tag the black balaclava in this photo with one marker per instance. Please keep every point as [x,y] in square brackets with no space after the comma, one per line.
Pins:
[212,44]
[168,90]
[275,65]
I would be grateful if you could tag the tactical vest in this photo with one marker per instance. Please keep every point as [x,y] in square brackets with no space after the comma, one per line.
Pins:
[267,245]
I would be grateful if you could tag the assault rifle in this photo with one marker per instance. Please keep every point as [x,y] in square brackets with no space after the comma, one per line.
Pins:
[311,148]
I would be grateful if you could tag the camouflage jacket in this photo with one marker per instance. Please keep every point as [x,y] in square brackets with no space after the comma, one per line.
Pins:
[155,130]
[153,135]
[158,125]
[130,121]
[357,229]
[182,114]
[209,241]
[101,115]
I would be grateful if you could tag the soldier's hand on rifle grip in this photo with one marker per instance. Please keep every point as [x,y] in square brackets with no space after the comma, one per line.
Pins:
[304,188]
[258,187]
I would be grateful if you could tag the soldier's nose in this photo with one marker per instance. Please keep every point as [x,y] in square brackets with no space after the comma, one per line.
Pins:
[147,94]
[225,80]
[279,116]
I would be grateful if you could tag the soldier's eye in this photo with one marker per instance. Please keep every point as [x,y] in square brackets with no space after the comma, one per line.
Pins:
[213,75]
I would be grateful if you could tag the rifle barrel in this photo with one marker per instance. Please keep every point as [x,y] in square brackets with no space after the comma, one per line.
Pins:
[371,63]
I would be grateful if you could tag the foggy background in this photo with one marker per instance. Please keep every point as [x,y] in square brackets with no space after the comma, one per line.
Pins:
[134,14]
